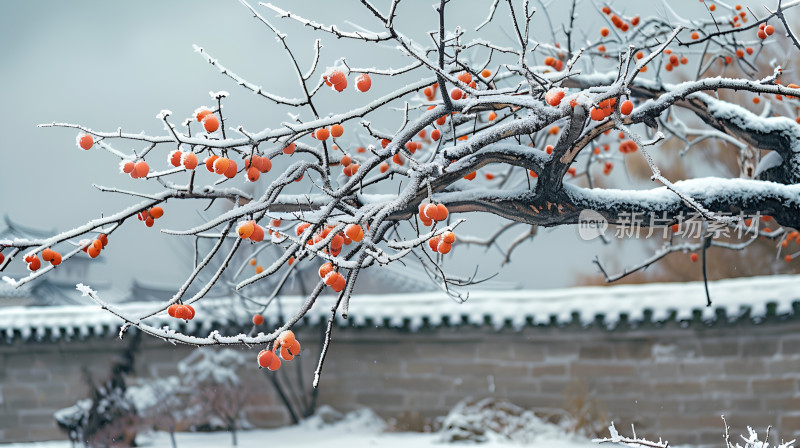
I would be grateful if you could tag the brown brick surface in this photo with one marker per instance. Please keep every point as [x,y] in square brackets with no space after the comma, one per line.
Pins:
[774,386]
[596,351]
[546,370]
[790,346]
[637,349]
[604,368]
[700,368]
[720,348]
[785,366]
[746,367]
[678,388]
[761,347]
[790,426]
[784,402]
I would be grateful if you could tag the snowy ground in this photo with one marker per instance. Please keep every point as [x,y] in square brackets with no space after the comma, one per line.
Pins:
[296,438]
[358,429]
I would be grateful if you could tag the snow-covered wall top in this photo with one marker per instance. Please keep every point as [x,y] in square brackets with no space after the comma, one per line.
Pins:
[665,301]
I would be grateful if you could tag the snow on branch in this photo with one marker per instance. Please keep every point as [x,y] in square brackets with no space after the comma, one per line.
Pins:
[535,132]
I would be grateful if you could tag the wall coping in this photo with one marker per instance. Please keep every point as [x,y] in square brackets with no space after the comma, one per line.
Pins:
[734,299]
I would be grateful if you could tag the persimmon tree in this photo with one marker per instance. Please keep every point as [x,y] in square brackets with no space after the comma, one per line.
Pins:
[541,119]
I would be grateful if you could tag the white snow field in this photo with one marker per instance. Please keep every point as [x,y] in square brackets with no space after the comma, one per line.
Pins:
[295,437]
[358,429]
[485,424]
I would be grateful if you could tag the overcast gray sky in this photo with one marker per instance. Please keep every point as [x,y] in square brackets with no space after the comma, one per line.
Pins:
[117,64]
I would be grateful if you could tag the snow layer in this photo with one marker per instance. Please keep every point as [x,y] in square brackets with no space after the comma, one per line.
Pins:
[736,297]
[358,429]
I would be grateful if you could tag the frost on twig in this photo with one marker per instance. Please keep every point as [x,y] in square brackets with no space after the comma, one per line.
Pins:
[370,166]
[751,441]
[636,442]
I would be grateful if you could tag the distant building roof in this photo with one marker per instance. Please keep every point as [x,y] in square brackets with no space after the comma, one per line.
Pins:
[752,298]
[16,230]
[58,287]
[55,288]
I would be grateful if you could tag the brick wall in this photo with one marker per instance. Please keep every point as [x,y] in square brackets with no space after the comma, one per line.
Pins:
[669,380]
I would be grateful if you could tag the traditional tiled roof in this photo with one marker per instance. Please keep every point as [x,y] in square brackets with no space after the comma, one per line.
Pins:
[16,230]
[752,298]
